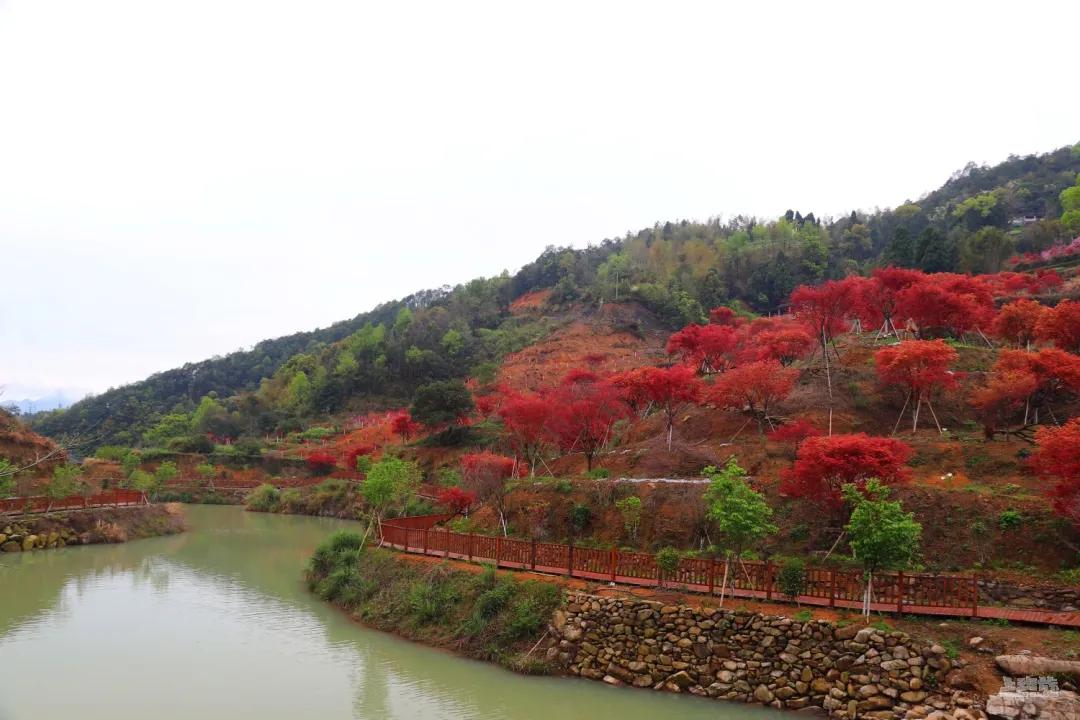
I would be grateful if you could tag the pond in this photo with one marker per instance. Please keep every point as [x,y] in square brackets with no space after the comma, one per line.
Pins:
[217,623]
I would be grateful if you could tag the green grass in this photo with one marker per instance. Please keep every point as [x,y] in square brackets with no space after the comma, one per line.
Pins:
[485,616]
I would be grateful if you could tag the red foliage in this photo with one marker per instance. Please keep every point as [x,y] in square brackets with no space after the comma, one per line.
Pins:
[671,389]
[1061,326]
[584,409]
[757,386]
[921,366]
[708,348]
[822,308]
[404,426]
[824,464]
[946,304]
[321,463]
[456,499]
[724,316]
[795,431]
[1016,321]
[1026,381]
[527,419]
[783,339]
[1057,459]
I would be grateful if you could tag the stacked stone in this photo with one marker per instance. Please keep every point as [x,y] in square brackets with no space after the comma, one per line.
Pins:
[17,537]
[849,672]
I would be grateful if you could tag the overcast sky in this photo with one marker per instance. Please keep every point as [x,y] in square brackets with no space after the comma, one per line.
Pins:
[182,179]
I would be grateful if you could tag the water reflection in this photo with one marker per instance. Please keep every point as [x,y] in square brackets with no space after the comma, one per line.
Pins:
[217,623]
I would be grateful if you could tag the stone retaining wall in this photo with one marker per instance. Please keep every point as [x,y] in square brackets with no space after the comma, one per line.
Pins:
[1044,597]
[850,671]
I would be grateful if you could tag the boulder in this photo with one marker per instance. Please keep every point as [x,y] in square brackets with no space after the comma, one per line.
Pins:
[763,695]
[1029,665]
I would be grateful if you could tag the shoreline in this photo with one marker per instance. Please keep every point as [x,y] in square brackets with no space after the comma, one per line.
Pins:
[89,527]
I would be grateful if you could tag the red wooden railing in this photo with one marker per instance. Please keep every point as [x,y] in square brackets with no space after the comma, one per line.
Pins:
[41,503]
[916,593]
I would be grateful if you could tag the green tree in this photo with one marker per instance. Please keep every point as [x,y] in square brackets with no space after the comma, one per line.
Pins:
[882,536]
[442,403]
[740,513]
[630,509]
[900,250]
[130,463]
[7,477]
[172,425]
[142,481]
[65,482]
[389,482]
[165,472]
[985,251]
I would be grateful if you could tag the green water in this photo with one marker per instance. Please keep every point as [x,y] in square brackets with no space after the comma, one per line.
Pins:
[216,623]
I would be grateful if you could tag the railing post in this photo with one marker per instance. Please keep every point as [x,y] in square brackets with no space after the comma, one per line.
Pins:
[446,546]
[832,587]
[614,562]
[425,540]
[472,537]
[498,549]
[974,596]
[768,579]
[570,560]
[900,591]
[712,575]
[532,553]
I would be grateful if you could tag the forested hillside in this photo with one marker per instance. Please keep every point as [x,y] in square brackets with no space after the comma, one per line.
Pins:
[677,270]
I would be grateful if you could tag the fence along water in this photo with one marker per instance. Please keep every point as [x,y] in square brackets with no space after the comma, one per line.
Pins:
[916,593]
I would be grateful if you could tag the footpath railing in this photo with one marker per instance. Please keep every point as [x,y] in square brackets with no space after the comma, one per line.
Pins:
[915,593]
[41,503]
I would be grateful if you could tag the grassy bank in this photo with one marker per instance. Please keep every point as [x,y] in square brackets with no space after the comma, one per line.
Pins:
[483,616]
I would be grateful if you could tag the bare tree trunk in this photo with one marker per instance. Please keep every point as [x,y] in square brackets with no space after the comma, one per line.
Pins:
[934,415]
[723,582]
[907,399]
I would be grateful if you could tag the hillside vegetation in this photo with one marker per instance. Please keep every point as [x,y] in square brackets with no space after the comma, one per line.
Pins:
[677,270]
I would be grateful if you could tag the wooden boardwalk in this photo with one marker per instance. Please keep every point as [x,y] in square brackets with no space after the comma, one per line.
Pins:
[958,597]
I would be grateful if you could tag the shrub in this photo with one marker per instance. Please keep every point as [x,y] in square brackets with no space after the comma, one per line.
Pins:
[204,470]
[580,517]
[792,577]
[598,473]
[430,600]
[111,452]
[667,559]
[1010,519]
[264,498]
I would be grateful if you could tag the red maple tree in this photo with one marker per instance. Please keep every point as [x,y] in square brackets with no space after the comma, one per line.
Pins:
[783,339]
[1015,322]
[455,499]
[526,421]
[755,387]
[585,409]
[708,348]
[670,389]
[882,297]
[1061,326]
[921,368]
[795,431]
[1058,460]
[946,304]
[403,425]
[823,465]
